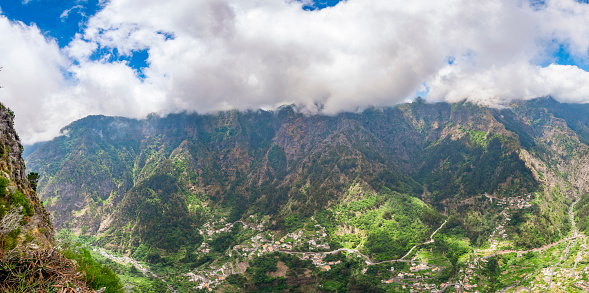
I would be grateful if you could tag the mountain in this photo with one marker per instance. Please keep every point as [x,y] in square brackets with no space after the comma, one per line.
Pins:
[187,192]
[30,258]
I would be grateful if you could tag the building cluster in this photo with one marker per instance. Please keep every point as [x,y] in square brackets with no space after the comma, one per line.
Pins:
[257,246]
[209,280]
[210,230]
[204,248]
[317,259]
[469,277]
[583,285]
[420,267]
[415,281]
[417,286]
[516,202]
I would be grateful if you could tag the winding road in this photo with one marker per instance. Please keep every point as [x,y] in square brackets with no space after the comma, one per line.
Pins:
[566,251]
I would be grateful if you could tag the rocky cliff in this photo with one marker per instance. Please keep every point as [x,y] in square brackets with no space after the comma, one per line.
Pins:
[24,219]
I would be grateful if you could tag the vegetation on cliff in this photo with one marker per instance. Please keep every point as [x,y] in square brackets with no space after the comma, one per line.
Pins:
[30,261]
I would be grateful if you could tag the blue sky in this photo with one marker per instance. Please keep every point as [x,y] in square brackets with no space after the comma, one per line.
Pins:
[563,56]
[63,60]
[47,16]
[62,20]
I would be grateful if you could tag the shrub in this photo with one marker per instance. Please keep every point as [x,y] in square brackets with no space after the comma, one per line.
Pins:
[97,275]
[3,185]
[16,198]
[19,199]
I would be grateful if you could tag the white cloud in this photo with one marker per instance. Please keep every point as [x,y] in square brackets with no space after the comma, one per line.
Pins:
[263,53]
[31,74]
[498,85]
[65,14]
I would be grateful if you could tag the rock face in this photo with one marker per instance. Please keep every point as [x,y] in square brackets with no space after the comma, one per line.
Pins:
[19,200]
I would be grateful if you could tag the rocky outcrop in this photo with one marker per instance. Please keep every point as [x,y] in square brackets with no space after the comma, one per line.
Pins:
[19,200]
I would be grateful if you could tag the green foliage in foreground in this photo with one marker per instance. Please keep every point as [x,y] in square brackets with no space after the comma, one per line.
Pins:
[97,274]
[54,270]
[13,199]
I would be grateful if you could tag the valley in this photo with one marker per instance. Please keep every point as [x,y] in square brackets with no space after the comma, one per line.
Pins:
[418,272]
[294,146]
[417,198]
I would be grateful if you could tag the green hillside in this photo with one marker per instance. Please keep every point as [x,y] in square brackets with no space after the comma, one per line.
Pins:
[281,201]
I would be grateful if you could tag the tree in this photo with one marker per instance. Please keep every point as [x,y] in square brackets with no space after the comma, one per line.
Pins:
[33,178]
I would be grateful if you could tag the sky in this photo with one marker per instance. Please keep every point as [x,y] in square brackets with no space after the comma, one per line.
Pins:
[64,60]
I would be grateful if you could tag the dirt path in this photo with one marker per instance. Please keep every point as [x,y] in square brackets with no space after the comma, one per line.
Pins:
[431,240]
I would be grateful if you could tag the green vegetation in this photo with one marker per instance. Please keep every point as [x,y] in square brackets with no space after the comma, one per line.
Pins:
[12,204]
[160,213]
[582,213]
[394,222]
[379,182]
[33,179]
[96,274]
[457,168]
[55,271]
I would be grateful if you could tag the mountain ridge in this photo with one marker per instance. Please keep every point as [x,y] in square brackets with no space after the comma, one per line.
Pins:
[149,188]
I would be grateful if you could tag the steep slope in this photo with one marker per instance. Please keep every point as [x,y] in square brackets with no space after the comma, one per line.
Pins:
[171,190]
[24,220]
[30,260]
[276,163]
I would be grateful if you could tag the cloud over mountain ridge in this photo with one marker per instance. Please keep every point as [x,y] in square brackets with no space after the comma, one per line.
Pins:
[211,55]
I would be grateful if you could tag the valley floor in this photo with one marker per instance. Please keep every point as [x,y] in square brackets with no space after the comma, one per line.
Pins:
[562,266]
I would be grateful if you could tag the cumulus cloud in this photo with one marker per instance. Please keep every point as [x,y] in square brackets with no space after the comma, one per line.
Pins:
[32,71]
[498,85]
[210,55]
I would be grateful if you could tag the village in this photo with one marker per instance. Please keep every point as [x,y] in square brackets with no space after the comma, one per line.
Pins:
[416,279]
[313,243]
[307,245]
[469,280]
[516,202]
